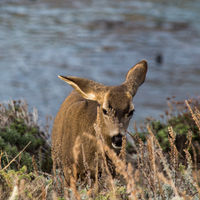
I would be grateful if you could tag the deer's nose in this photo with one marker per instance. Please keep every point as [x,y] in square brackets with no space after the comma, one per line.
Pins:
[117,141]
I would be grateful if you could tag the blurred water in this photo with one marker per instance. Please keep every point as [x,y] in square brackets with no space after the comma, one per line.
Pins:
[100,40]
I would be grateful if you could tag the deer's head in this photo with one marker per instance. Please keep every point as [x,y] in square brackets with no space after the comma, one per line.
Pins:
[115,102]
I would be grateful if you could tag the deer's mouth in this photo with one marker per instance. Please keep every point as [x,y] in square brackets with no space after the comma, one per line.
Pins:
[117,141]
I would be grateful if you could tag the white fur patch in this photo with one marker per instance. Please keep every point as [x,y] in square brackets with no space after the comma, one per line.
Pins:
[116,147]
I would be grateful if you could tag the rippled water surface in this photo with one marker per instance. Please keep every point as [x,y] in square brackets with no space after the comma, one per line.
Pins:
[100,40]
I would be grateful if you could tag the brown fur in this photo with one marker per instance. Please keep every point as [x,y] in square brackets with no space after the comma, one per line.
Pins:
[77,116]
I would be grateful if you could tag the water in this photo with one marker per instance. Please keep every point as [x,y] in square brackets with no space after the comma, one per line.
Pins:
[100,40]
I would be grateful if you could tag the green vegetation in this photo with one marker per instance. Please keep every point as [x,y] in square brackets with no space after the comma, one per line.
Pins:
[18,128]
[179,117]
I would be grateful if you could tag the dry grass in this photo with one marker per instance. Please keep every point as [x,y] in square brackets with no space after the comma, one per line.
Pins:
[17,109]
[157,174]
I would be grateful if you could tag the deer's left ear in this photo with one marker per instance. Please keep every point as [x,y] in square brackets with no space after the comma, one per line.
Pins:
[135,77]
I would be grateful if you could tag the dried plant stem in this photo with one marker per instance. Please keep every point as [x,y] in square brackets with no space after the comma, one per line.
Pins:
[100,143]
[194,115]
[151,153]
[173,152]
[1,154]
[73,180]
[14,192]
[122,169]
[16,156]
[164,161]
[96,186]
[122,154]
[87,169]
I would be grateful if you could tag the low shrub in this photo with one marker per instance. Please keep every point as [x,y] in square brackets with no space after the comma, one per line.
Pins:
[18,128]
[158,174]
[179,117]
[21,184]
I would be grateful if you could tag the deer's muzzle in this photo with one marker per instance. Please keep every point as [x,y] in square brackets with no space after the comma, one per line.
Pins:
[117,141]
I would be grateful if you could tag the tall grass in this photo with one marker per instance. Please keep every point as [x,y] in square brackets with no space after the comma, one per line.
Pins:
[157,172]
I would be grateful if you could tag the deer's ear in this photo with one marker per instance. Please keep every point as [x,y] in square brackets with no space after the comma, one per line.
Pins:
[136,76]
[88,89]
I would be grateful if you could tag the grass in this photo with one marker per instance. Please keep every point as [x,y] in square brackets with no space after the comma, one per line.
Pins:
[165,164]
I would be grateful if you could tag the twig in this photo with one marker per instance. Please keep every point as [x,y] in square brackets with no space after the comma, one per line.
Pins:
[14,193]
[15,157]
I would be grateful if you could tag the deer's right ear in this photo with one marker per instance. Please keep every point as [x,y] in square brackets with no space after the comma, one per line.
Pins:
[136,76]
[88,89]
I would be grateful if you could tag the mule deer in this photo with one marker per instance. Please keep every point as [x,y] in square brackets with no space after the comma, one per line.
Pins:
[78,114]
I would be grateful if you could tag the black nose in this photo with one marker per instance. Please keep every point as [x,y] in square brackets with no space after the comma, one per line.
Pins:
[117,140]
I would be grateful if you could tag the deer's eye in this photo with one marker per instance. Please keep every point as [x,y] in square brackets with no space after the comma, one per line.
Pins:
[131,113]
[105,112]
[110,107]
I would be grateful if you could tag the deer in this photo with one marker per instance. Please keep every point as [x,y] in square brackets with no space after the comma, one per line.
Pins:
[75,120]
